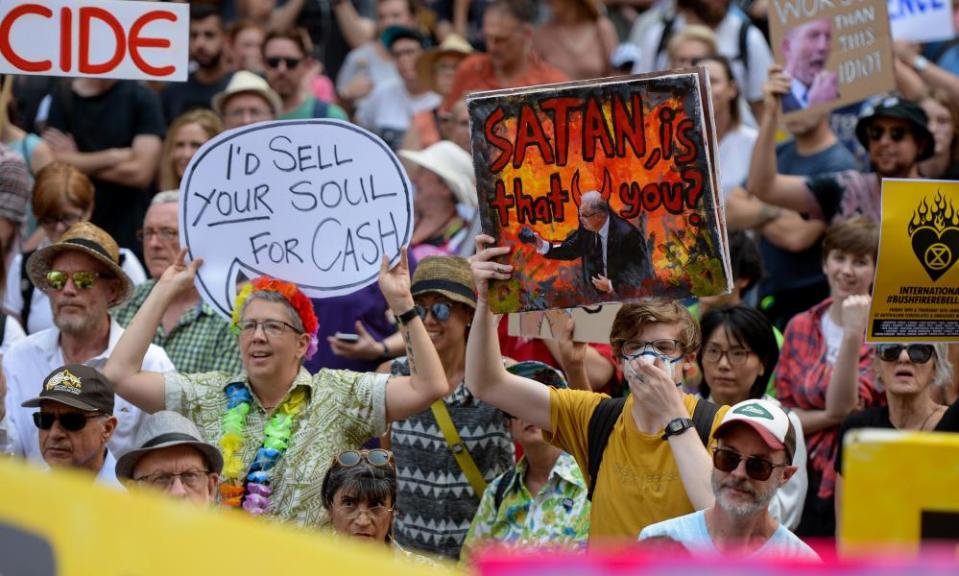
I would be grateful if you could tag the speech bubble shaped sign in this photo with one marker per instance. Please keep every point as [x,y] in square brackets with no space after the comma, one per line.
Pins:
[314,202]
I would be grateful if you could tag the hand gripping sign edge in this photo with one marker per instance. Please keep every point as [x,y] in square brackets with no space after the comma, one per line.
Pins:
[217,269]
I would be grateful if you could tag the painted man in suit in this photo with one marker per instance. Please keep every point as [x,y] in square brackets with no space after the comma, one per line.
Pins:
[806,51]
[613,251]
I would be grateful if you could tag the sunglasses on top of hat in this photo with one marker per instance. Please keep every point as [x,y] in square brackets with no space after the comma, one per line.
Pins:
[71,421]
[57,279]
[918,353]
[440,310]
[757,468]
[376,457]
[896,133]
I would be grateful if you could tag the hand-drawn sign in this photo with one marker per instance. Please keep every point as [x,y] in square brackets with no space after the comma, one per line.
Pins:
[315,202]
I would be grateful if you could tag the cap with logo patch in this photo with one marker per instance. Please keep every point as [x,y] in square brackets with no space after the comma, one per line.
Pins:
[767,418]
[78,386]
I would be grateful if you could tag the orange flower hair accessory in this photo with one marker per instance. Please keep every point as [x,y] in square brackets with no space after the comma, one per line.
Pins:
[296,298]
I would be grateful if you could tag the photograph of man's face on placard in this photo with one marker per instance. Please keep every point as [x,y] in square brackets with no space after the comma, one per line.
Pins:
[806,50]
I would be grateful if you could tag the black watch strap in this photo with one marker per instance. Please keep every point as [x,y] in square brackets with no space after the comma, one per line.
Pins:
[406,317]
[677,426]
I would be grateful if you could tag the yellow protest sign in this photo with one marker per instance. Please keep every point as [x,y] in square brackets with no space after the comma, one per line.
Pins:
[915,297]
[61,523]
[899,490]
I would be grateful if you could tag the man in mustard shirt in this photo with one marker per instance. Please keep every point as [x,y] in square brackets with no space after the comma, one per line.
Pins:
[654,465]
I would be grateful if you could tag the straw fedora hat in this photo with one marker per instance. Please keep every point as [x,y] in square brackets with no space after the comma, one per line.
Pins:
[447,275]
[91,240]
[453,45]
[245,82]
[451,163]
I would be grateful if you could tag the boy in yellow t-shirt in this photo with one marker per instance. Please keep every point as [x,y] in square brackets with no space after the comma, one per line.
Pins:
[655,465]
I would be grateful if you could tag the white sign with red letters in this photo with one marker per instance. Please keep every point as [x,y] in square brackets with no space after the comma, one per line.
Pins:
[95,38]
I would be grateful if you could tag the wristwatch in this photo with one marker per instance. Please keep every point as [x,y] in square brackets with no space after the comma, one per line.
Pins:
[406,317]
[677,426]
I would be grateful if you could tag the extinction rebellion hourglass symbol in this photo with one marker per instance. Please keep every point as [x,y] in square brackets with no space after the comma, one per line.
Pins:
[934,230]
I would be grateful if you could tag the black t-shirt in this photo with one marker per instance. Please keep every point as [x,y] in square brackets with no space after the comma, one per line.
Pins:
[111,120]
[178,97]
[879,418]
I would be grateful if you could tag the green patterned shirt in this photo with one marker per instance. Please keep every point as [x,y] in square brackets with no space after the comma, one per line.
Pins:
[200,342]
[557,516]
[344,410]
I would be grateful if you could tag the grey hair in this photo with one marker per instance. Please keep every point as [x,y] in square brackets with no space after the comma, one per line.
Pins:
[942,374]
[593,199]
[166,197]
[270,296]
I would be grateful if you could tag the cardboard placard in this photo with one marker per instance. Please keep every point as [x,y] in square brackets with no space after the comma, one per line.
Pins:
[591,324]
[837,53]
[897,494]
[314,202]
[95,39]
[606,190]
[62,523]
[921,20]
[915,296]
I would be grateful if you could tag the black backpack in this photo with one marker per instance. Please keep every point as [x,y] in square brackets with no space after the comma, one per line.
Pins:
[604,418]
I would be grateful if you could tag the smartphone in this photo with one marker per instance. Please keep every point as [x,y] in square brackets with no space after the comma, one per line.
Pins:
[347,337]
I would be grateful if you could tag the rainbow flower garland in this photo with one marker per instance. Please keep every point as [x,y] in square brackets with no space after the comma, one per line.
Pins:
[293,295]
[253,492]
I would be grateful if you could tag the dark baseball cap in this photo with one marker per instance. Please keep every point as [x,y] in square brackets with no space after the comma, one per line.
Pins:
[900,109]
[394,33]
[78,386]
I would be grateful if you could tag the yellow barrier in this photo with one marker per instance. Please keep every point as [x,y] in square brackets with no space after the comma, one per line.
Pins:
[90,529]
[900,490]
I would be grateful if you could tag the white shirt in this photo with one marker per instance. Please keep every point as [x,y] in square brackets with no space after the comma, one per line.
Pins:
[800,92]
[648,30]
[30,360]
[735,152]
[391,106]
[41,317]
[604,238]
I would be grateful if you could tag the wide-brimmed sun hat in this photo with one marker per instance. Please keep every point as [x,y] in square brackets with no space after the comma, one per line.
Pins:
[447,275]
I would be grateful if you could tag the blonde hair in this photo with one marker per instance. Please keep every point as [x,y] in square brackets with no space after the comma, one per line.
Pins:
[632,319]
[694,32]
[206,119]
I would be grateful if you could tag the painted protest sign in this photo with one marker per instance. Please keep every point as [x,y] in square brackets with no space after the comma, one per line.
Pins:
[95,38]
[591,324]
[915,296]
[836,51]
[605,190]
[921,20]
[315,202]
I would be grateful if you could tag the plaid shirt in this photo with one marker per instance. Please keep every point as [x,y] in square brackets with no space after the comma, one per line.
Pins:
[802,377]
[200,342]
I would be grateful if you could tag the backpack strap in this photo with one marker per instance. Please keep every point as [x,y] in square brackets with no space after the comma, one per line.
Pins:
[601,424]
[3,326]
[668,25]
[458,448]
[26,290]
[743,54]
[501,488]
[320,108]
[703,415]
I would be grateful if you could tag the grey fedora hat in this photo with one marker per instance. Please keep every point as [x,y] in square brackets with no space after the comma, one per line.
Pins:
[162,430]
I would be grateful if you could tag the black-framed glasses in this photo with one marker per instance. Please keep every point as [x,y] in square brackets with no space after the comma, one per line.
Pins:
[271,328]
[164,234]
[440,310]
[70,421]
[193,480]
[663,347]
[918,353]
[896,133]
[757,468]
[274,62]
[376,457]
[351,509]
[736,356]
[57,279]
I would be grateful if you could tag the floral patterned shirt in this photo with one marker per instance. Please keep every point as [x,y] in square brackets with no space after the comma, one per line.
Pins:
[557,516]
[344,410]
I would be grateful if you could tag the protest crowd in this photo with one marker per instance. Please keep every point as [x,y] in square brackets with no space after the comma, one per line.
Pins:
[406,413]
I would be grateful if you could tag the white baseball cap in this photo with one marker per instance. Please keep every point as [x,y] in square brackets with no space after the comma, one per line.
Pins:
[767,418]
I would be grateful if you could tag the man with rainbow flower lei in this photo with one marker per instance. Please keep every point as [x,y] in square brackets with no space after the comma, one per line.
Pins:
[277,426]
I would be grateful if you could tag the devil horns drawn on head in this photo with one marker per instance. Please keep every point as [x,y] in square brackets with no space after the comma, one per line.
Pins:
[605,191]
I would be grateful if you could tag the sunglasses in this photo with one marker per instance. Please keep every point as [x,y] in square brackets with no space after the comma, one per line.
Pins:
[441,311]
[274,62]
[896,133]
[57,279]
[918,353]
[756,468]
[71,421]
[376,457]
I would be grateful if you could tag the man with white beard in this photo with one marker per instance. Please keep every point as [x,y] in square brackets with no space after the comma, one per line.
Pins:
[751,460]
